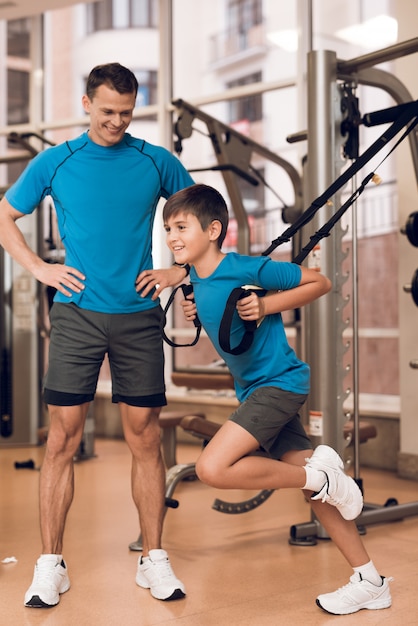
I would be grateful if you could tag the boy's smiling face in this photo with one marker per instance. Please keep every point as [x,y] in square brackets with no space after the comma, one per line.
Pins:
[186,239]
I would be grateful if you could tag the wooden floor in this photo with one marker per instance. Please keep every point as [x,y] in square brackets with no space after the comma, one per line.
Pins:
[239,570]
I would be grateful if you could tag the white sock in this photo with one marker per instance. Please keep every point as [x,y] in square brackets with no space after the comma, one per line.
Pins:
[57,556]
[370,573]
[315,479]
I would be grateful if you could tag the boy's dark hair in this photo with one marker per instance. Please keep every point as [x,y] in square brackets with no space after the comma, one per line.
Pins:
[202,201]
[113,75]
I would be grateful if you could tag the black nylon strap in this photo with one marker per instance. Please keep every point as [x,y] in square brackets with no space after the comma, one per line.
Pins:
[225,327]
[187,289]
[407,113]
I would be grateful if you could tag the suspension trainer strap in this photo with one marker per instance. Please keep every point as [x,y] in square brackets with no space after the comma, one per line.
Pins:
[187,289]
[325,230]
[225,328]
[408,112]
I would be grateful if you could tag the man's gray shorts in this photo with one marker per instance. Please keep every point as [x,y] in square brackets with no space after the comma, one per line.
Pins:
[79,342]
[271,415]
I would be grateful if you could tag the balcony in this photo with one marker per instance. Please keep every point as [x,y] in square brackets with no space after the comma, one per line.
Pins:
[232,45]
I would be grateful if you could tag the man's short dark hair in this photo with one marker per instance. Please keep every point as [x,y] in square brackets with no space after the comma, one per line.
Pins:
[202,201]
[113,75]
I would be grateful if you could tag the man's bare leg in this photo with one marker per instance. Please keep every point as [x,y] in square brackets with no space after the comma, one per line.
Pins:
[56,485]
[142,433]
[56,490]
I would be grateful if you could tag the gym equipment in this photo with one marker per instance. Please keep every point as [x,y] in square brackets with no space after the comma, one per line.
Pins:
[411,228]
[20,406]
[327,397]
[323,324]
[412,288]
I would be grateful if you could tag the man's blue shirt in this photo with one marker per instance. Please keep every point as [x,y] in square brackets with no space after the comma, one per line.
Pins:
[105,199]
[270,361]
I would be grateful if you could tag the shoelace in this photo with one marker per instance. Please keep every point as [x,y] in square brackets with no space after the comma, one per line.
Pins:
[44,573]
[162,568]
[328,499]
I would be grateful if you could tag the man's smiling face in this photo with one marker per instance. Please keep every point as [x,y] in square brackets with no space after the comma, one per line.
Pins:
[110,115]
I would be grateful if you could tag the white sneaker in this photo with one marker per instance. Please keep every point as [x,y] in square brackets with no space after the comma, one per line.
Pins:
[50,579]
[155,573]
[339,490]
[358,594]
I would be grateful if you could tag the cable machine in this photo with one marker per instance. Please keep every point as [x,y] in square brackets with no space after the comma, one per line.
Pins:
[329,86]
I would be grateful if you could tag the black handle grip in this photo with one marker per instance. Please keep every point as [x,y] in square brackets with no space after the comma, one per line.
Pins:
[187,290]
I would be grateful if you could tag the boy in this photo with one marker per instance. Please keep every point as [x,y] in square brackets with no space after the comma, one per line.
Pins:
[271,384]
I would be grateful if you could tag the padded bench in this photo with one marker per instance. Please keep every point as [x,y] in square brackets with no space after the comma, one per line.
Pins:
[168,421]
[206,429]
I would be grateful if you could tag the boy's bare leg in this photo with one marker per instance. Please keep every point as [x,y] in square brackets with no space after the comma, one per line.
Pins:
[225,463]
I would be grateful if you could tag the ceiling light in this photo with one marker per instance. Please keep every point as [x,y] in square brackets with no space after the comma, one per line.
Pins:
[374,33]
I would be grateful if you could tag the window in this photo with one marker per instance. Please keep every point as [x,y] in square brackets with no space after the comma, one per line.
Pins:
[18,38]
[147,89]
[17,112]
[253,195]
[99,16]
[244,14]
[109,14]
[249,107]
[143,13]
[17,97]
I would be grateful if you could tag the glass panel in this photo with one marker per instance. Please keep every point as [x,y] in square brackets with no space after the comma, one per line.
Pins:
[18,97]
[99,16]
[250,107]
[144,13]
[18,38]
[147,90]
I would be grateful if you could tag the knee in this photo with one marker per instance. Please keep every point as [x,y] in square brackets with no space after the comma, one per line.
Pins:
[63,444]
[144,440]
[207,473]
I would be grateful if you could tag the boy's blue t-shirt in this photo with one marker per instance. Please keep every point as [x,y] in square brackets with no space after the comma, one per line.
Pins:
[270,361]
[105,199]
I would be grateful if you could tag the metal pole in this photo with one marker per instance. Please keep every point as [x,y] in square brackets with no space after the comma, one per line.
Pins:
[165,73]
[355,351]
[323,325]
[379,56]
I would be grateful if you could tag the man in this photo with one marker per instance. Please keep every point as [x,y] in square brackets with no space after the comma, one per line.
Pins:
[105,186]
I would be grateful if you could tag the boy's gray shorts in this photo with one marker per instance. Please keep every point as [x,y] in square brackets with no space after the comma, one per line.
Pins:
[79,341]
[271,415]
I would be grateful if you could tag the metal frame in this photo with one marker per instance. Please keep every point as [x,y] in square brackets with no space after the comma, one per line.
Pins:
[323,327]
[233,152]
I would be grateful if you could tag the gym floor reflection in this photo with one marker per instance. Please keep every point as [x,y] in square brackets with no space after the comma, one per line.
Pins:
[238,569]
